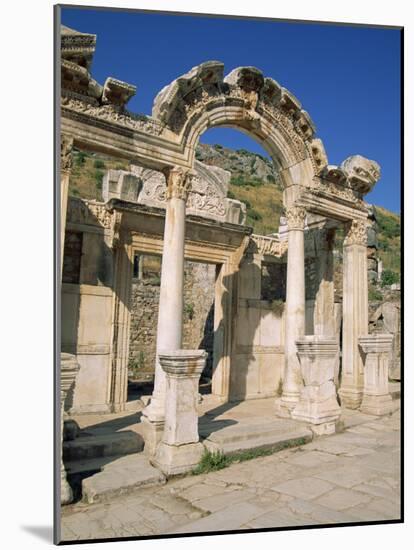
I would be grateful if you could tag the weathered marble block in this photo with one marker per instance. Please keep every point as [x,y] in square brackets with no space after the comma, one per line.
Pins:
[318,402]
[120,184]
[180,449]
[376,349]
[69,368]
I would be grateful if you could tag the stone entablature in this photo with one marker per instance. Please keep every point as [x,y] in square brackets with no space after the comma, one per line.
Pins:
[204,98]
[89,212]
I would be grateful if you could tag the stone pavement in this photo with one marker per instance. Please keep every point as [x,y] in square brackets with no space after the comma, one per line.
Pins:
[348,477]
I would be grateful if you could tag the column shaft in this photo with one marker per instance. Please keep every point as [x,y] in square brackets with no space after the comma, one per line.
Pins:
[295,306]
[355,313]
[170,315]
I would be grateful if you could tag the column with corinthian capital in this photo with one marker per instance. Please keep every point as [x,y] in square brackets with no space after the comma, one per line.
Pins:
[295,307]
[355,312]
[170,314]
[66,146]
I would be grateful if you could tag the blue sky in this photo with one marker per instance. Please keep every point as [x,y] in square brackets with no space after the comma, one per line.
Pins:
[347,78]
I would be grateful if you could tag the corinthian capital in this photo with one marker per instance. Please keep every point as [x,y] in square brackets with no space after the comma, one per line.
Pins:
[296,217]
[356,233]
[66,145]
[178,182]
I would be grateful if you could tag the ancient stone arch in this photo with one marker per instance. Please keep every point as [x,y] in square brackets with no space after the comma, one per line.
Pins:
[95,117]
[244,99]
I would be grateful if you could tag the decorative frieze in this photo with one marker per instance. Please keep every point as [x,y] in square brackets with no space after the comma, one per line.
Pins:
[295,217]
[333,185]
[77,109]
[66,147]
[84,212]
[356,233]
[267,246]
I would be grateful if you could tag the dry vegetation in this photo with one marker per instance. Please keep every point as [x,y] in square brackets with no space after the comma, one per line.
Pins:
[261,193]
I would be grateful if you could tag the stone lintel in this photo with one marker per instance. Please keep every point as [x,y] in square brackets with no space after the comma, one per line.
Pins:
[332,207]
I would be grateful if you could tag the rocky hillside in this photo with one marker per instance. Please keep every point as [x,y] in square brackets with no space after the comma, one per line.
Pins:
[253,181]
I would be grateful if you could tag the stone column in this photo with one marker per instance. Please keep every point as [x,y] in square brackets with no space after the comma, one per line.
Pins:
[170,316]
[295,307]
[355,312]
[69,368]
[66,145]
[121,323]
[318,403]
[376,349]
[180,450]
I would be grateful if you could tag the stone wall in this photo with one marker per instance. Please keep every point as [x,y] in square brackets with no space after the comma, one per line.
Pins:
[199,282]
[199,290]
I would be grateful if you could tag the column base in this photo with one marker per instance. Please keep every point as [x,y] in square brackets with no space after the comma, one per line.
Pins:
[351,398]
[177,459]
[377,405]
[66,494]
[317,413]
[155,410]
[280,409]
[152,433]
[286,404]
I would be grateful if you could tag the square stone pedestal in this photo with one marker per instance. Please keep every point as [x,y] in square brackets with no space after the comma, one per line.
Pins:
[152,433]
[376,349]
[180,449]
[178,459]
[318,403]
[69,368]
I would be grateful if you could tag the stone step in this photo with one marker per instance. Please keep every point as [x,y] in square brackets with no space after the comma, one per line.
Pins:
[119,477]
[88,465]
[98,446]
[275,435]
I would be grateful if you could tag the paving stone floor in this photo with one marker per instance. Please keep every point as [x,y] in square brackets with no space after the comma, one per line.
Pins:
[349,477]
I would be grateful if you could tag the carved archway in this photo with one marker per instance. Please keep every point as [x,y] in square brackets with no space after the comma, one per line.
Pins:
[246,100]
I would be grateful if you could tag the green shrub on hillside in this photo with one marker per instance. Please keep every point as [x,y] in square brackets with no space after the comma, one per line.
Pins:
[98,163]
[389,226]
[79,158]
[389,277]
[99,174]
[253,215]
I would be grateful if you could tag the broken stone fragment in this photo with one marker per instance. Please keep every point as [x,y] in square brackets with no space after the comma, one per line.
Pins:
[116,92]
